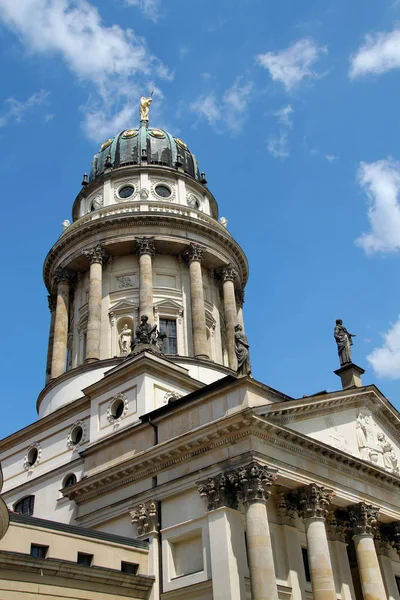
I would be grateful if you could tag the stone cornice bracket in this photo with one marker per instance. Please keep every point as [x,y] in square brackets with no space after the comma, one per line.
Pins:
[228,273]
[52,300]
[145,245]
[64,276]
[253,482]
[218,491]
[363,519]
[97,254]
[239,296]
[314,501]
[194,252]
[145,517]
[286,508]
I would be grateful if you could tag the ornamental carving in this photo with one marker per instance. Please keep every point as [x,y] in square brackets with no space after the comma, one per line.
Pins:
[383,540]
[32,456]
[253,482]
[395,535]
[218,491]
[73,443]
[145,245]
[337,526]
[363,518]
[64,276]
[52,300]
[193,201]
[171,396]
[239,295]
[314,501]
[228,273]
[194,252]
[145,517]
[286,506]
[125,282]
[97,254]
[111,418]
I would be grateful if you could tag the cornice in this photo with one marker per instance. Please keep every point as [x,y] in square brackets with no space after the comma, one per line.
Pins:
[226,432]
[66,243]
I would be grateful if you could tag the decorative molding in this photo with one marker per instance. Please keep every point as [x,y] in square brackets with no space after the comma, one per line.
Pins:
[125,182]
[253,481]
[145,245]
[144,194]
[314,501]
[228,273]
[97,254]
[193,201]
[125,282]
[145,517]
[218,491]
[171,397]
[110,417]
[70,443]
[96,203]
[27,465]
[52,300]
[168,184]
[194,252]
[363,518]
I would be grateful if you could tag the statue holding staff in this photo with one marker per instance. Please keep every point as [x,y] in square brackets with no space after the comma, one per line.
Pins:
[344,342]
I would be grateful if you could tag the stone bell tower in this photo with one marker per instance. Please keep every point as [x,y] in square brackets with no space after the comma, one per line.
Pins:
[144,240]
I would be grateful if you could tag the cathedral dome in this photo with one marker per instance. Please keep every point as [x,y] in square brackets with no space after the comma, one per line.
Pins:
[144,144]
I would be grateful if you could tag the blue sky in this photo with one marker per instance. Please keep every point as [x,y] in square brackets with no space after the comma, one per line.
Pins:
[292,111]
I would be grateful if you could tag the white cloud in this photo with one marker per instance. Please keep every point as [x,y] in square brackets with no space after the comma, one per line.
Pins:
[386,360]
[331,157]
[114,60]
[381,182]
[16,109]
[292,65]
[277,144]
[150,8]
[379,53]
[228,113]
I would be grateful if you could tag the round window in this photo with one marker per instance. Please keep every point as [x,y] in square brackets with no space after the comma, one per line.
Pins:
[117,409]
[70,480]
[32,456]
[163,191]
[126,191]
[76,435]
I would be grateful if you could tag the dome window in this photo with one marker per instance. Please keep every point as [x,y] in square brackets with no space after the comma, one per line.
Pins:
[126,191]
[163,191]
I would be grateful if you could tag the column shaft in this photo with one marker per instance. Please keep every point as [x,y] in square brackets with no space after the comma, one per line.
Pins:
[59,354]
[146,287]
[322,582]
[228,275]
[94,312]
[368,567]
[52,307]
[262,571]
[200,346]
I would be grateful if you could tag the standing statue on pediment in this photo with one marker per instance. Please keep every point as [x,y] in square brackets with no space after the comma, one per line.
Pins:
[385,447]
[344,342]
[364,436]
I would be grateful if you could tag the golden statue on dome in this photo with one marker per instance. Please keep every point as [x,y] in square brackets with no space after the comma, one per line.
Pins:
[145,106]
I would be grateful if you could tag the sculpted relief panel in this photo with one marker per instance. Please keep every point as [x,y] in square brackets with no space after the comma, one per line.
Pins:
[374,444]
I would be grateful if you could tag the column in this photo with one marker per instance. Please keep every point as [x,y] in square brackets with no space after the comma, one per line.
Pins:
[363,522]
[253,482]
[337,534]
[63,280]
[194,257]
[146,518]
[52,308]
[96,256]
[239,296]
[145,250]
[226,533]
[228,277]
[314,502]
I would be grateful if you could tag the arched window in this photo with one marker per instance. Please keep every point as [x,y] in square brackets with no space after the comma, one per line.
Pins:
[70,480]
[25,506]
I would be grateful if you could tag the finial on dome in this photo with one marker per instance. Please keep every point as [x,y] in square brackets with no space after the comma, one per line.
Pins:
[85,179]
[144,107]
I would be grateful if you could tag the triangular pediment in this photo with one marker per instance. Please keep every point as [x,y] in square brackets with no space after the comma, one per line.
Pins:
[169,305]
[361,423]
[123,306]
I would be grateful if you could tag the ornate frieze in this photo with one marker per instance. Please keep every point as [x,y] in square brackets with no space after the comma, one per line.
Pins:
[97,254]
[228,273]
[145,517]
[314,501]
[145,245]
[194,252]
[218,491]
[363,518]
[52,300]
[253,482]
[64,276]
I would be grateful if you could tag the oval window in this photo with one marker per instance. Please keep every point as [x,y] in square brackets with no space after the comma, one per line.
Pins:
[126,191]
[117,409]
[163,191]
[76,435]
[32,456]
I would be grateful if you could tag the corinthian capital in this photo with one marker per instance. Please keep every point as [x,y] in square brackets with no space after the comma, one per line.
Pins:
[64,276]
[314,501]
[97,254]
[218,491]
[145,245]
[253,482]
[395,535]
[363,518]
[194,252]
[145,517]
[228,273]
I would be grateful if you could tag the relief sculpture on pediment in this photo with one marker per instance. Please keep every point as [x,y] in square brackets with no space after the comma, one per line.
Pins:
[373,444]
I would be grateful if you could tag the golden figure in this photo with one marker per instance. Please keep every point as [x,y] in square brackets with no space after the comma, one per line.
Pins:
[144,107]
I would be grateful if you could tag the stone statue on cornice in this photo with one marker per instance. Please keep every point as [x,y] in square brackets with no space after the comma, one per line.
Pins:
[344,342]
[242,352]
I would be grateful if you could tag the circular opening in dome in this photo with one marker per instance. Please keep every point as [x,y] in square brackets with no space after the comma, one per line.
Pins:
[163,191]
[117,409]
[32,456]
[76,435]
[126,191]
[70,480]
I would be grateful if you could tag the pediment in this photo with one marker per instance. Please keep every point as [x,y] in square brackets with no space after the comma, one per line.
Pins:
[168,306]
[363,424]
[123,306]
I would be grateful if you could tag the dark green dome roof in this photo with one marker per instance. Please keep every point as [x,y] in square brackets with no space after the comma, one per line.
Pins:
[144,144]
